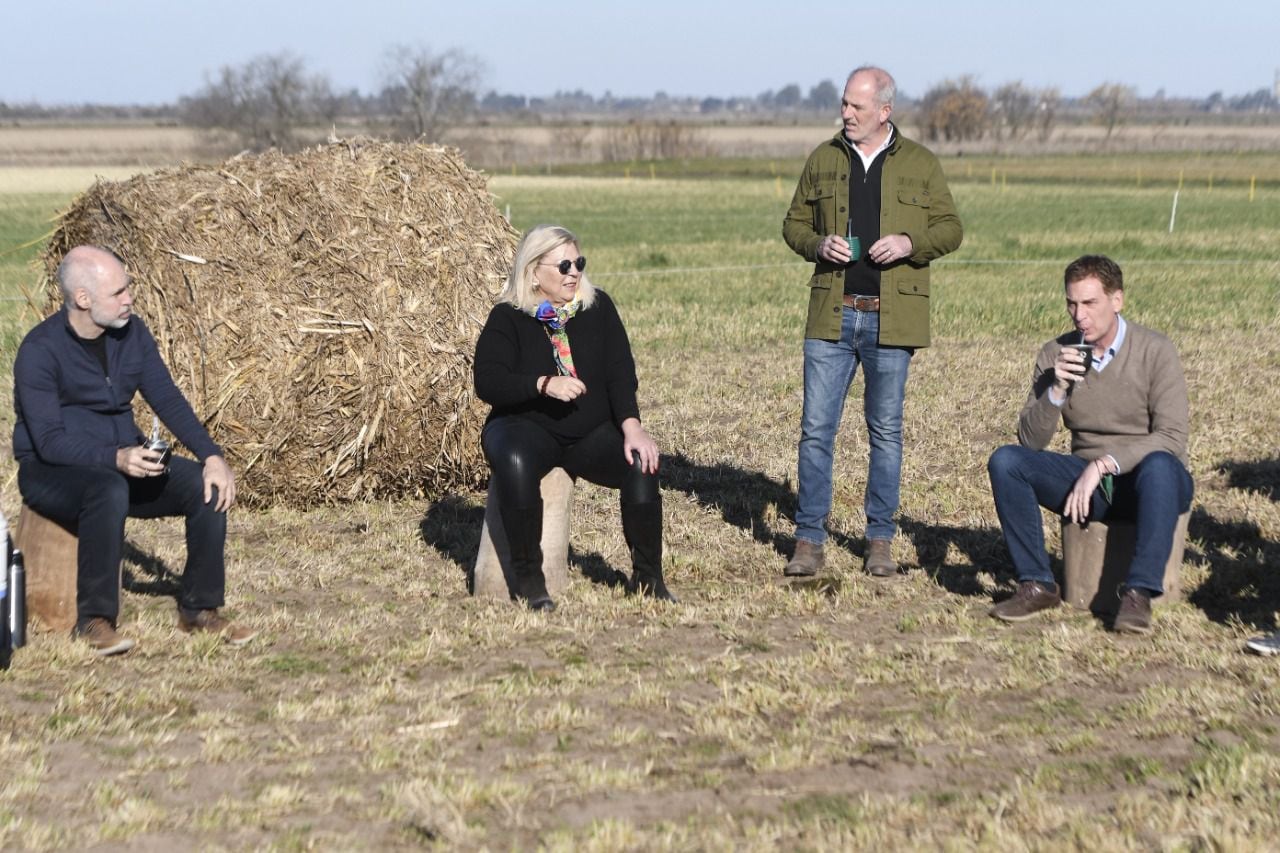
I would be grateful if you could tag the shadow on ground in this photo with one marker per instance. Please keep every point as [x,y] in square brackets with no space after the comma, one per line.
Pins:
[743,498]
[1243,582]
[146,574]
[982,547]
[452,527]
[1261,476]
[747,500]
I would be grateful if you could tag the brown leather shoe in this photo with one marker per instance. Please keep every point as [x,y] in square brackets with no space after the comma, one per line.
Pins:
[1134,616]
[807,560]
[212,622]
[1030,598]
[102,637]
[877,560]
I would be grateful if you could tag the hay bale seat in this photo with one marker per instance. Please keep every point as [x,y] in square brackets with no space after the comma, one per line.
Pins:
[1096,558]
[319,310]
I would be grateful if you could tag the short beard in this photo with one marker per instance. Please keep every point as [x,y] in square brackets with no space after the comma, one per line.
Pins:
[110,322]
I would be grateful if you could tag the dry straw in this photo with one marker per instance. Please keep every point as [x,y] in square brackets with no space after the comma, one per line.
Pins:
[319,309]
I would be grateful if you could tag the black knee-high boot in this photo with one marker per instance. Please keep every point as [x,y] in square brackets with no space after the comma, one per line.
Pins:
[642,529]
[524,536]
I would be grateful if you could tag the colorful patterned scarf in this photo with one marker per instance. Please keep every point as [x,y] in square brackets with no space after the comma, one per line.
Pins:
[553,320]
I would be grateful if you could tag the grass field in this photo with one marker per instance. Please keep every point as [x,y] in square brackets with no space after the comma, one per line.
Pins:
[383,708]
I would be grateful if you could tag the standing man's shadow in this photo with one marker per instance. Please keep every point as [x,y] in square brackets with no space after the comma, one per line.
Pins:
[745,499]
[1243,582]
[983,547]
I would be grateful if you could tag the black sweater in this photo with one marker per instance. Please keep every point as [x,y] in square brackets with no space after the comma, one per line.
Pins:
[514,350]
[862,277]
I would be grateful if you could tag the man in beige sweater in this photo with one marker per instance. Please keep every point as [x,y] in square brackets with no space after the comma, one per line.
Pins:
[1124,400]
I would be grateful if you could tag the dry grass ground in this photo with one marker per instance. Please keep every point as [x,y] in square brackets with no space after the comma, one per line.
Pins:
[383,708]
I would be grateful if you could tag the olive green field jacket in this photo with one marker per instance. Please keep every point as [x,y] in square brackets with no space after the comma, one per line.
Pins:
[915,201]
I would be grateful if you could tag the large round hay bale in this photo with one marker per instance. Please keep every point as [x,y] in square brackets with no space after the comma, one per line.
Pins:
[319,309]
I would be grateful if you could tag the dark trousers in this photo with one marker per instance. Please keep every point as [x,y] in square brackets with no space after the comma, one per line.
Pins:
[1151,496]
[521,453]
[99,499]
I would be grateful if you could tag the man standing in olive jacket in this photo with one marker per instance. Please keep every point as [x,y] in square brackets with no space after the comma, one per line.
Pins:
[868,307]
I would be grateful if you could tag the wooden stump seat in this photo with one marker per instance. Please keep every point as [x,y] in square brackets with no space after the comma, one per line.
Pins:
[1095,562]
[49,548]
[492,575]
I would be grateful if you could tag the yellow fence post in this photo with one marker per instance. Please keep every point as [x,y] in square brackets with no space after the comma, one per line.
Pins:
[1253,181]
[1211,182]
[653,172]
[993,176]
[777,186]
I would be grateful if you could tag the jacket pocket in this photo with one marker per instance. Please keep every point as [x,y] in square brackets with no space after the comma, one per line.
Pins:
[913,208]
[915,285]
[819,199]
[914,197]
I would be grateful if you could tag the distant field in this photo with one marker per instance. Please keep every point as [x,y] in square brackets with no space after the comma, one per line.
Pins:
[383,708]
[40,145]
[556,142]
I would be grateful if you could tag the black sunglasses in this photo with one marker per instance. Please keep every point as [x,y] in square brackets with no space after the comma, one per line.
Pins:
[566,264]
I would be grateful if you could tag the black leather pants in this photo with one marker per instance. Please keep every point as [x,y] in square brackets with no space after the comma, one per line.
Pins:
[521,453]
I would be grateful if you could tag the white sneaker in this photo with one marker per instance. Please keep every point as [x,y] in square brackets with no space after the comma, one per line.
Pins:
[1267,644]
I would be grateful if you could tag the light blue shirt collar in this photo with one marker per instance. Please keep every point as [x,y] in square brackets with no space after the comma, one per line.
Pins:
[1099,362]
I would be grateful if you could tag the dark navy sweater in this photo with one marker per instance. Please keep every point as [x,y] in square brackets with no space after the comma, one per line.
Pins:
[68,412]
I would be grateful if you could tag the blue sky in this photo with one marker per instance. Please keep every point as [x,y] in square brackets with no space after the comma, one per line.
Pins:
[152,51]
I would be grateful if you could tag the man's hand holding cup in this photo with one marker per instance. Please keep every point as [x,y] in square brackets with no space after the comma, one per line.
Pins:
[1072,365]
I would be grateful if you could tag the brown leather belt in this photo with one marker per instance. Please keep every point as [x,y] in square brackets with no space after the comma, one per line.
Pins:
[862,303]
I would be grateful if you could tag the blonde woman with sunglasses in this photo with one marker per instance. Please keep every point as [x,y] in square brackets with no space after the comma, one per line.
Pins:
[554,362]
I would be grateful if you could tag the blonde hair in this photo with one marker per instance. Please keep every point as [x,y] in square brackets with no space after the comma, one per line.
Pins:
[521,290]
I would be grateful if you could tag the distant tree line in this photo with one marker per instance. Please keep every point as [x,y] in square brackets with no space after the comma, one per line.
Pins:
[271,99]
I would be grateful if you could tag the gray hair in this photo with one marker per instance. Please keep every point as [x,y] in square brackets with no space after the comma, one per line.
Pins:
[521,289]
[886,88]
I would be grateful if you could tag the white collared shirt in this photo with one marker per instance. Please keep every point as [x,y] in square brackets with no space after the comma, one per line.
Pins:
[868,159]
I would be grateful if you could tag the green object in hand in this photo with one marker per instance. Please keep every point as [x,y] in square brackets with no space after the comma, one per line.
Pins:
[855,245]
[1108,485]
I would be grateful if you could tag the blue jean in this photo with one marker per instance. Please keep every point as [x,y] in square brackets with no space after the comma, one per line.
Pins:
[1151,496]
[829,367]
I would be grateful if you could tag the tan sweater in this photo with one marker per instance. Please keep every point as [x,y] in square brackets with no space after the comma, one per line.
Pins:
[1136,406]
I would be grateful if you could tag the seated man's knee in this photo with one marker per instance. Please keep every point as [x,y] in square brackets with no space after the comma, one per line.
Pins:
[1160,466]
[1162,473]
[1004,460]
[212,503]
